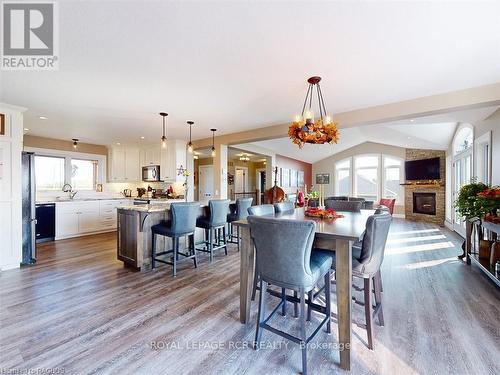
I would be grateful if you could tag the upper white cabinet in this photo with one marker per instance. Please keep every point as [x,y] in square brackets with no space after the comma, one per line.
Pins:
[125,164]
[172,158]
[151,156]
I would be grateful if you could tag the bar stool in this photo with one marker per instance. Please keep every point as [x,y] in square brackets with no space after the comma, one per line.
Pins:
[213,224]
[283,258]
[240,213]
[182,223]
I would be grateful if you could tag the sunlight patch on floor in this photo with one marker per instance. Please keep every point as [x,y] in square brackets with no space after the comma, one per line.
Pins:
[416,239]
[414,232]
[414,248]
[430,263]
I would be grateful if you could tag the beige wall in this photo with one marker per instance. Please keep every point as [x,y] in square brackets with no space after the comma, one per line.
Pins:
[63,145]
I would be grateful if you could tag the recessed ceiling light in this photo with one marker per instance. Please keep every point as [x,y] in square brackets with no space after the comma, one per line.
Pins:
[412,120]
[142,137]
[26,130]
[409,137]
[118,143]
[42,117]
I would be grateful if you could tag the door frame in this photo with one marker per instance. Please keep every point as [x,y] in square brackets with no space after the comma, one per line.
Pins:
[460,159]
[245,174]
[201,169]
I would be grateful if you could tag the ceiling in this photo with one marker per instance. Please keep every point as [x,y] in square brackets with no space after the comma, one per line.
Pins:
[241,65]
[431,132]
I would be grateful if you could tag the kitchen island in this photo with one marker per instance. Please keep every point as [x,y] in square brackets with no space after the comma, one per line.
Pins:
[134,233]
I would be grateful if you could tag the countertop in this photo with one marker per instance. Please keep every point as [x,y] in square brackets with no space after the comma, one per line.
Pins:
[146,208]
[57,200]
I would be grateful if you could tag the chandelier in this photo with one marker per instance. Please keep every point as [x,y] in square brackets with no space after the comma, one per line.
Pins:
[244,158]
[305,129]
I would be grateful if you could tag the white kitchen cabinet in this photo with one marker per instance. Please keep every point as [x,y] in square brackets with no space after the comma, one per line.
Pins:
[77,218]
[151,155]
[5,168]
[172,158]
[66,224]
[125,164]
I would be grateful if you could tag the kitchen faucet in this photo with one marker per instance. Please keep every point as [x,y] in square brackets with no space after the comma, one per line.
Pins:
[68,189]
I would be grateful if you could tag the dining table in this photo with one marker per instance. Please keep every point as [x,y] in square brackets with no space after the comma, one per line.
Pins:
[333,234]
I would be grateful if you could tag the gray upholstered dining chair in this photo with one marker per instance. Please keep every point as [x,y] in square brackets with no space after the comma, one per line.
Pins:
[351,206]
[182,223]
[284,207]
[283,258]
[213,224]
[240,213]
[261,210]
[367,265]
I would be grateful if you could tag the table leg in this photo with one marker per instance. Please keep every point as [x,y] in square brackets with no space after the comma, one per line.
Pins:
[247,254]
[343,270]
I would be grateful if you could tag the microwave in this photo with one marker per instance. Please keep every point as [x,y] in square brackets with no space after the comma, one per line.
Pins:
[151,173]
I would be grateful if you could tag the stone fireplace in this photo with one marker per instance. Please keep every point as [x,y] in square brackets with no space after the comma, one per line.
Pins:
[424,203]
[425,200]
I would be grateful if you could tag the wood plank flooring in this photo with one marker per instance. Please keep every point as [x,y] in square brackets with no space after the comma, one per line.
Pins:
[78,310]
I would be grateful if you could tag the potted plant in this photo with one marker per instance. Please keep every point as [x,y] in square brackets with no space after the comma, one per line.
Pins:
[468,203]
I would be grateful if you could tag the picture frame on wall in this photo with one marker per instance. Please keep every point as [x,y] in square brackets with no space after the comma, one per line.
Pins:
[293,178]
[285,177]
[2,124]
[300,179]
[322,178]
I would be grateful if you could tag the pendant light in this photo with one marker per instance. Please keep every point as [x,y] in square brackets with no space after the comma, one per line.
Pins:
[75,142]
[164,137]
[213,141]
[190,144]
[305,129]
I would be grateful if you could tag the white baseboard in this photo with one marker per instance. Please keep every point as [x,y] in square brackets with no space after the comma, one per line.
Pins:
[6,267]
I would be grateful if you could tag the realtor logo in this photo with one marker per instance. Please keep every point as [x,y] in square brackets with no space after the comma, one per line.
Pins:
[30,36]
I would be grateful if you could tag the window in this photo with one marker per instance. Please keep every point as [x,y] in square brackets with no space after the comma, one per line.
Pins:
[366,177]
[343,177]
[371,177]
[392,179]
[83,174]
[52,171]
[49,172]
[463,140]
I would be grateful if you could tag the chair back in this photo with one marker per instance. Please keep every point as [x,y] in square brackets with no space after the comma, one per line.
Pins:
[261,210]
[284,207]
[183,216]
[242,205]
[389,203]
[374,241]
[356,199]
[219,208]
[382,210]
[351,206]
[283,250]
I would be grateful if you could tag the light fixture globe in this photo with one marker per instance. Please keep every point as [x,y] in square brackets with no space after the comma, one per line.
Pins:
[305,129]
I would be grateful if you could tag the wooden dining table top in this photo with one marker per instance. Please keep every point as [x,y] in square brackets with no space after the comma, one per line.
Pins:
[349,227]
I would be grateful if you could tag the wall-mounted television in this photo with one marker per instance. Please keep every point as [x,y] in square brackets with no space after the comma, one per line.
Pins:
[423,169]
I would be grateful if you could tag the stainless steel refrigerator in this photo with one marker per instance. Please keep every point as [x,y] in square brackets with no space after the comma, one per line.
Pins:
[28,207]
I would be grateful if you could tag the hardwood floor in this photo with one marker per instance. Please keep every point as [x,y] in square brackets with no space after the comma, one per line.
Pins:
[79,311]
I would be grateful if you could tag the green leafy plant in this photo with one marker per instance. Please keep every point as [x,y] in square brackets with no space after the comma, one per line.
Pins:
[468,203]
[313,195]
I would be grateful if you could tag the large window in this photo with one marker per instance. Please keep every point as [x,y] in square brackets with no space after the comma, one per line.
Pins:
[343,177]
[366,172]
[392,178]
[52,172]
[83,174]
[370,176]
[49,172]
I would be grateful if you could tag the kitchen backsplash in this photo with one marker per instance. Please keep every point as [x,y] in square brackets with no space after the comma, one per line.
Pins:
[110,190]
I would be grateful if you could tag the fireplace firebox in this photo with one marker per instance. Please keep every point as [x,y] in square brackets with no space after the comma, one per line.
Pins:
[424,203]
